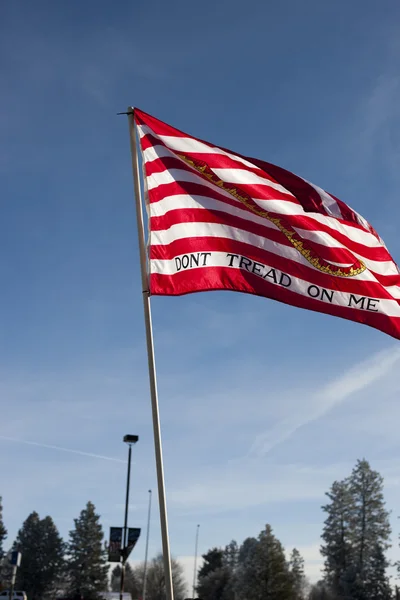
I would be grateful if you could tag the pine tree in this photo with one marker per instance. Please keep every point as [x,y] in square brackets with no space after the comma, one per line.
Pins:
[87,563]
[296,565]
[216,585]
[230,555]
[246,569]
[370,522]
[212,560]
[42,552]
[320,591]
[377,584]
[264,573]
[357,523]
[3,531]
[370,518]
[216,579]
[337,549]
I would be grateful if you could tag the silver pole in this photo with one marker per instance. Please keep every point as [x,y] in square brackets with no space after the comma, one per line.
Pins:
[147,549]
[195,560]
[151,362]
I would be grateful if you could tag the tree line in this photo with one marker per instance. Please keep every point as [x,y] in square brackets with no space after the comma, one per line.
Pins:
[355,540]
[77,569]
[51,567]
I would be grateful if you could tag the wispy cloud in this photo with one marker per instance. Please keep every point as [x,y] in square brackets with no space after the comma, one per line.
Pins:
[61,449]
[320,402]
[240,485]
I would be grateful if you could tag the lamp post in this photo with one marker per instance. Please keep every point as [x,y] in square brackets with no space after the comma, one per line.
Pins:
[128,439]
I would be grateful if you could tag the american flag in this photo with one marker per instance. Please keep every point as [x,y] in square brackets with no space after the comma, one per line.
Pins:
[222,221]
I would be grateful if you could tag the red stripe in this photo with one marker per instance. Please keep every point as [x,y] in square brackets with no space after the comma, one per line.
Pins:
[263,191]
[304,272]
[309,196]
[219,278]
[298,221]
[200,215]
[305,193]
[373,253]
[158,126]
[213,159]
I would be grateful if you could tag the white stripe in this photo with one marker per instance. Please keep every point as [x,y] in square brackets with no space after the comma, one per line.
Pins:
[184,201]
[231,175]
[284,207]
[383,267]
[182,175]
[156,152]
[216,230]
[187,144]
[243,177]
[300,286]
[279,206]
[394,290]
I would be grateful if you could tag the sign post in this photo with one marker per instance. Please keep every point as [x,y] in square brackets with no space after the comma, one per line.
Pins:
[14,558]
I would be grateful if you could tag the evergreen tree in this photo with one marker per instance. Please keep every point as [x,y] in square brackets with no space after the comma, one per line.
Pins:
[156,579]
[320,591]
[212,561]
[216,579]
[246,569]
[230,555]
[357,523]
[377,584]
[3,531]
[337,548]
[296,565]
[42,552]
[264,573]
[217,585]
[87,562]
[370,519]
[230,565]
[370,527]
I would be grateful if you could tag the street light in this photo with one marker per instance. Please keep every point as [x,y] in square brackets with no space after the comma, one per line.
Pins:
[131,439]
[128,439]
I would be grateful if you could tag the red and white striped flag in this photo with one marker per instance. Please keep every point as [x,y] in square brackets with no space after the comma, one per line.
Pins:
[222,221]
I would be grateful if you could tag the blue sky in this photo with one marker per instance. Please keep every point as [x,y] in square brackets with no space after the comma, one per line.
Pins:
[262,405]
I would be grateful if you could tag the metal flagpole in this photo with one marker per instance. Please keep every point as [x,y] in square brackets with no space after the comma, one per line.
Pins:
[151,361]
[195,560]
[147,549]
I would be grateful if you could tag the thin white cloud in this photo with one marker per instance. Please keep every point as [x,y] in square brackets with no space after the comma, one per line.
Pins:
[319,403]
[61,449]
[239,486]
